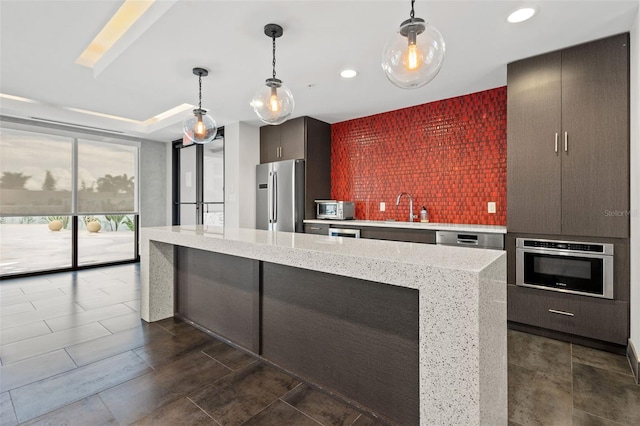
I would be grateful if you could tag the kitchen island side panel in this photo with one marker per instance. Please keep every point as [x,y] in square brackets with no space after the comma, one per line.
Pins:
[220,293]
[355,337]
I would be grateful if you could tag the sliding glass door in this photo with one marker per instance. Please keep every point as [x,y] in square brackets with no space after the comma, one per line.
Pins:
[65,202]
[198,176]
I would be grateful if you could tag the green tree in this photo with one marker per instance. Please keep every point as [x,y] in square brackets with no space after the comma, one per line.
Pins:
[120,184]
[11,180]
[49,183]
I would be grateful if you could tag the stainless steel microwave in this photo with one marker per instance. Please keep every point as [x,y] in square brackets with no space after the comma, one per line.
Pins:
[566,266]
[333,209]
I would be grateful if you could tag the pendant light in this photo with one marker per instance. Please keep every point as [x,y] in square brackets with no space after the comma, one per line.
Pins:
[413,56]
[201,127]
[273,102]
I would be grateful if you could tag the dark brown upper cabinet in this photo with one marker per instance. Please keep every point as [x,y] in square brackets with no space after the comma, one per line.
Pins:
[568,141]
[303,138]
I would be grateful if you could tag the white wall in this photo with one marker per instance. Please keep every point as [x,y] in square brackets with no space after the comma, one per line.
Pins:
[635,184]
[241,154]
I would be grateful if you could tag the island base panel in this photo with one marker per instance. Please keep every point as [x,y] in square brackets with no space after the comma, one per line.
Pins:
[220,293]
[356,337]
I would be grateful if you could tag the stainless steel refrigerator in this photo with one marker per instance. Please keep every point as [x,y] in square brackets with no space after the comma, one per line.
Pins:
[280,196]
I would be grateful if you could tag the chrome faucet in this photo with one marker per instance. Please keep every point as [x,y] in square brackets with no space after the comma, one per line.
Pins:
[410,204]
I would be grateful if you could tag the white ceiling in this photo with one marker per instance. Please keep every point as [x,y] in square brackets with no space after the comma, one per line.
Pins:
[149,70]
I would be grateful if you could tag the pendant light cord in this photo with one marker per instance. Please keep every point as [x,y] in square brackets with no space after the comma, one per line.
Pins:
[273,37]
[199,91]
[412,14]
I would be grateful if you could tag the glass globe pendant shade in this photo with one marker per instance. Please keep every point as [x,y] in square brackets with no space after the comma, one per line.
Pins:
[200,128]
[413,56]
[273,103]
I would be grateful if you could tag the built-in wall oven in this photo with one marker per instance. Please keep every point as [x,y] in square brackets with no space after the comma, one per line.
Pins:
[566,266]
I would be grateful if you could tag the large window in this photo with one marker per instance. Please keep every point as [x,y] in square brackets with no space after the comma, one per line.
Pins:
[65,202]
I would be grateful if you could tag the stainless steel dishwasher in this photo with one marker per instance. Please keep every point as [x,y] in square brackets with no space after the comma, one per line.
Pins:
[470,239]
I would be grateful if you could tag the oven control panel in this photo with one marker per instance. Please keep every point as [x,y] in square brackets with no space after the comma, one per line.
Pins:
[557,245]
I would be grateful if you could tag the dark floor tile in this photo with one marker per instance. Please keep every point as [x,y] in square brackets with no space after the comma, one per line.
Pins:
[367,421]
[181,412]
[141,396]
[50,342]
[34,369]
[89,411]
[233,358]
[536,397]
[540,353]
[113,344]
[123,322]
[606,394]
[173,324]
[22,332]
[320,406]
[280,414]
[601,359]
[39,398]
[580,418]
[87,317]
[29,297]
[39,315]
[7,414]
[241,395]
[164,351]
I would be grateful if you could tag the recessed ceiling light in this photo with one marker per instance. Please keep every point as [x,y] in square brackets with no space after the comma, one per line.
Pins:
[521,15]
[348,73]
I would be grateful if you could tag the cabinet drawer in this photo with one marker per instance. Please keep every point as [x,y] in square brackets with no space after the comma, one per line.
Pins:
[314,228]
[399,234]
[606,320]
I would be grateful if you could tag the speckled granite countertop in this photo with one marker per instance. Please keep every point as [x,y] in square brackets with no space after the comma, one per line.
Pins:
[457,227]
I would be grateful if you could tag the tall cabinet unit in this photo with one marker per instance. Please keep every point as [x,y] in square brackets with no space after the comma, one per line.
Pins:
[303,138]
[568,141]
[568,179]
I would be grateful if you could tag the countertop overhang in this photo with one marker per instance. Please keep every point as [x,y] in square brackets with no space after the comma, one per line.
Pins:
[433,226]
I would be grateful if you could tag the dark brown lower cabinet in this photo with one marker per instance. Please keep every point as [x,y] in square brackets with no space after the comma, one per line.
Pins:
[355,338]
[585,316]
[378,233]
[314,228]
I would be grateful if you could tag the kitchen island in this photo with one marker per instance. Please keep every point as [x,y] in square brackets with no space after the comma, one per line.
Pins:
[343,313]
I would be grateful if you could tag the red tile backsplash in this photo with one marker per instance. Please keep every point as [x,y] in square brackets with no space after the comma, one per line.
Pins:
[450,155]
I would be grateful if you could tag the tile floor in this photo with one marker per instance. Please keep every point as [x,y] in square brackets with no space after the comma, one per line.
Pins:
[73,351]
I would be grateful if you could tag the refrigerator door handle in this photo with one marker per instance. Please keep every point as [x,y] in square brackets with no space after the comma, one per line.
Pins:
[274,193]
[270,198]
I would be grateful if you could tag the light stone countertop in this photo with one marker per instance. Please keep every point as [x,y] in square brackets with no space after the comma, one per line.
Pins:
[390,262]
[456,227]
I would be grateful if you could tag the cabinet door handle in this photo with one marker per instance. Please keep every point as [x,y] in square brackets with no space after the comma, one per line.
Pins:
[556,142]
[566,141]
[314,229]
[554,311]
